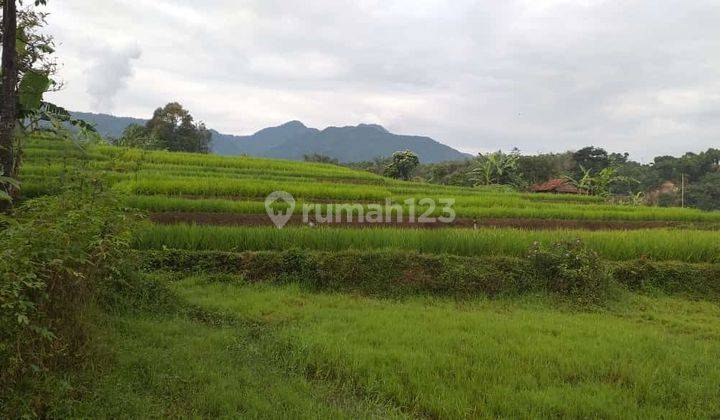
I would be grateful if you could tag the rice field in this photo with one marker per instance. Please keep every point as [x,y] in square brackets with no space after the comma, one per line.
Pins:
[237,347]
[164,181]
[654,244]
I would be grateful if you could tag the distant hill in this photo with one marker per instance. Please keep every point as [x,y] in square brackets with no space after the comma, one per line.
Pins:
[293,139]
[108,125]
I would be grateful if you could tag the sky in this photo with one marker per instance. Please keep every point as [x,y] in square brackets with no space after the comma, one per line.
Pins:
[641,76]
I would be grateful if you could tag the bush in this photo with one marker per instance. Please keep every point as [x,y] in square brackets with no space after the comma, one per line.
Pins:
[59,257]
[570,269]
[697,281]
[403,273]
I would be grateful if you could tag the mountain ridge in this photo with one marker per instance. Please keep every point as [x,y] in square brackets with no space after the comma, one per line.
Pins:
[293,140]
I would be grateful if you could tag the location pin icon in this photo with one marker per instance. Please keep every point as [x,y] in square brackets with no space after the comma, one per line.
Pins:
[280,217]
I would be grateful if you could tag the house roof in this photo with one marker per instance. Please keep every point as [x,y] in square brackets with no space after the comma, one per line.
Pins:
[556,185]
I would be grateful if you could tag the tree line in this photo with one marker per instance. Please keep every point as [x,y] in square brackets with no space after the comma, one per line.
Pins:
[592,170]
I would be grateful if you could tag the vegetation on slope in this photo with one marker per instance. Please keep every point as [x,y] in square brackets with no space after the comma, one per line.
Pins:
[61,258]
[353,325]
[656,244]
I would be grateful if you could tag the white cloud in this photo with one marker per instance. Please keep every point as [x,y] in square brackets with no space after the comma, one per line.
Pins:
[638,75]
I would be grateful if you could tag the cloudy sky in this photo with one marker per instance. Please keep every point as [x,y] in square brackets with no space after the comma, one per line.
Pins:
[542,75]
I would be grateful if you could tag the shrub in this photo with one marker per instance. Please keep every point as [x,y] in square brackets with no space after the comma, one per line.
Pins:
[58,257]
[403,273]
[570,269]
[697,281]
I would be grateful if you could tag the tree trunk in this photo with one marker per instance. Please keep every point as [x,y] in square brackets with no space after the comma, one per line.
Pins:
[8,110]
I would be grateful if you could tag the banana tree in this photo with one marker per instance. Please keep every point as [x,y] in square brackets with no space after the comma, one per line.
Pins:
[584,183]
[25,79]
[494,168]
[600,183]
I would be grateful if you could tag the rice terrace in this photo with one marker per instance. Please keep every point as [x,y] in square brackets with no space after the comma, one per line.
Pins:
[160,269]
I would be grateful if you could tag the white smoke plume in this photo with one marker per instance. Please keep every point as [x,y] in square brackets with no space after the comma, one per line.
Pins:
[109,73]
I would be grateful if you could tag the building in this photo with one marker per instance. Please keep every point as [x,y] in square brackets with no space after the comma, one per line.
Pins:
[556,186]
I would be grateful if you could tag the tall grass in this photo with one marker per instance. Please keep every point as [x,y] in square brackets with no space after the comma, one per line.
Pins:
[414,189]
[163,204]
[211,176]
[243,162]
[653,358]
[251,188]
[488,210]
[39,148]
[658,244]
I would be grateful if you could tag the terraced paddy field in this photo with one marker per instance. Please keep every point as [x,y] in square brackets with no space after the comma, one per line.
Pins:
[165,182]
[529,305]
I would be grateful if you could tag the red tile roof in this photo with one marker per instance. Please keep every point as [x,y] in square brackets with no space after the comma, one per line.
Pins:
[556,185]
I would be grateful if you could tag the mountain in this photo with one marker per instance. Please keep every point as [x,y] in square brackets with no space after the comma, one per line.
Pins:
[107,125]
[259,143]
[293,140]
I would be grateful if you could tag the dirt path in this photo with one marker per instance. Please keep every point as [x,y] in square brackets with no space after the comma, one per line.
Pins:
[233,219]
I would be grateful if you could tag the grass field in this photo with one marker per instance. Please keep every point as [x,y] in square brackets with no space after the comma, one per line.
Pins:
[656,244]
[170,177]
[174,367]
[235,346]
[645,358]
[301,354]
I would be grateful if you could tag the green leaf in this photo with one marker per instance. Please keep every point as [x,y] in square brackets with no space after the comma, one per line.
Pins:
[22,319]
[32,87]
[21,47]
[11,181]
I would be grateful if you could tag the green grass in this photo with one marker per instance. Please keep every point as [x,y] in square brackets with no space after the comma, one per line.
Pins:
[164,204]
[486,209]
[251,188]
[656,244]
[210,160]
[644,358]
[173,367]
[289,353]
[166,173]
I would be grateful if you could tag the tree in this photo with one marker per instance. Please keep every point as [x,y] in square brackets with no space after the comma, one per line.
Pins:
[320,158]
[584,182]
[8,111]
[590,158]
[175,130]
[606,179]
[26,71]
[496,168]
[705,194]
[542,167]
[693,165]
[642,178]
[447,173]
[137,136]
[599,183]
[402,165]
